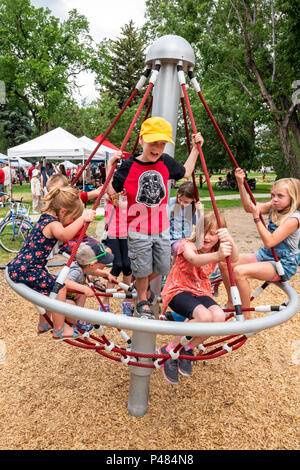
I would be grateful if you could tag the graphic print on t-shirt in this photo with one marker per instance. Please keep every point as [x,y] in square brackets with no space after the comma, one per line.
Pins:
[151,188]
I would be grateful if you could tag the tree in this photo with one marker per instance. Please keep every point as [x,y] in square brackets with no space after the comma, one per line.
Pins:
[247,47]
[126,60]
[15,126]
[40,58]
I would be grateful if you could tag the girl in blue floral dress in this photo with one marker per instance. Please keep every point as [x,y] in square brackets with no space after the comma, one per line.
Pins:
[63,206]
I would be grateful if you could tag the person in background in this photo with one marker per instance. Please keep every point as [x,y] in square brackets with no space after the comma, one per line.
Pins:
[36,191]
[8,178]
[2,179]
[30,170]
[62,170]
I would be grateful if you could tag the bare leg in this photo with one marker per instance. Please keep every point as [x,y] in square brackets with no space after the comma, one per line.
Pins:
[142,284]
[43,321]
[58,319]
[264,271]
[244,258]
[80,301]
[202,314]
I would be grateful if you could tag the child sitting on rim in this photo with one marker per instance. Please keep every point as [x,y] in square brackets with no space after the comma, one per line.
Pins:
[90,259]
[188,290]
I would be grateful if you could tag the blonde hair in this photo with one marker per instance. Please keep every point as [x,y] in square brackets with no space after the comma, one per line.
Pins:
[204,224]
[57,180]
[293,188]
[63,198]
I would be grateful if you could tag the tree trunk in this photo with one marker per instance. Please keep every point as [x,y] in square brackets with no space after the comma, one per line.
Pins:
[289,155]
[295,128]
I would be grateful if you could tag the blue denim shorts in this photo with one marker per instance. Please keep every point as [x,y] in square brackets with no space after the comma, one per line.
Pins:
[289,262]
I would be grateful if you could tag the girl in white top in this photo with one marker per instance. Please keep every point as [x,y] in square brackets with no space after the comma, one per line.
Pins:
[36,190]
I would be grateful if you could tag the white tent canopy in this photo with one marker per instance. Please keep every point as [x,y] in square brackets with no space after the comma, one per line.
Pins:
[67,164]
[15,162]
[92,145]
[57,145]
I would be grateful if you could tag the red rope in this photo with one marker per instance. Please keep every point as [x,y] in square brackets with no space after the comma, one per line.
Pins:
[104,136]
[210,189]
[189,146]
[103,189]
[232,159]
[146,116]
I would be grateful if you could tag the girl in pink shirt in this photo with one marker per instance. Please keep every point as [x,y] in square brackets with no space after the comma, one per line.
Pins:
[188,290]
[116,229]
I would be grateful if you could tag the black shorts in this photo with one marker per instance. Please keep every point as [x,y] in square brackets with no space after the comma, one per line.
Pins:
[185,303]
[121,262]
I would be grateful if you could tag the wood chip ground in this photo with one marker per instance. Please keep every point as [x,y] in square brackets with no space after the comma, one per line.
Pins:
[54,396]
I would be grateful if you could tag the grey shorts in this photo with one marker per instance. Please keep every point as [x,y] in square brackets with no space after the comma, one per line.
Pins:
[149,253]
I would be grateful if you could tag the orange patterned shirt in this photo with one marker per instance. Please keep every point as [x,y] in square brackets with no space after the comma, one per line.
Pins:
[184,277]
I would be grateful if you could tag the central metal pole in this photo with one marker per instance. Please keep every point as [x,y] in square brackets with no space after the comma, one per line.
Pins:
[168,51]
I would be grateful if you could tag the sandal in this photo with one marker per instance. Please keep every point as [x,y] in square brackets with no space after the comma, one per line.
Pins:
[150,299]
[142,312]
[60,332]
[46,327]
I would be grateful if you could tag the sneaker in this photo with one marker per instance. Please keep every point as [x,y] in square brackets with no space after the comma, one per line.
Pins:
[84,326]
[173,316]
[127,308]
[185,365]
[169,367]
[105,309]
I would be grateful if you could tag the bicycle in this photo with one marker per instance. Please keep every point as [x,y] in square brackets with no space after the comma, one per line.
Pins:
[224,184]
[15,226]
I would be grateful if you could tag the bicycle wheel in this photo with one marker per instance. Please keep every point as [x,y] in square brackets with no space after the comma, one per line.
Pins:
[13,234]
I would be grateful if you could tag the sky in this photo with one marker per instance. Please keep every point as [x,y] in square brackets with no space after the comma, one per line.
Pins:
[105,18]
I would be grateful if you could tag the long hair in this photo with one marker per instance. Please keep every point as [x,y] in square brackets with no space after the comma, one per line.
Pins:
[204,224]
[62,169]
[63,198]
[293,187]
[186,189]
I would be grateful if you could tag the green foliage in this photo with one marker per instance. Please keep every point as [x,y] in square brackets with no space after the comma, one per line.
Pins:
[41,57]
[16,127]
[125,58]
[246,60]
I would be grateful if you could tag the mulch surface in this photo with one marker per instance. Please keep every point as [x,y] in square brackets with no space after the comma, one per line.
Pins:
[54,396]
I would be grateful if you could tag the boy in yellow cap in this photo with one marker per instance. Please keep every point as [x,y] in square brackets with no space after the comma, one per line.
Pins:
[144,178]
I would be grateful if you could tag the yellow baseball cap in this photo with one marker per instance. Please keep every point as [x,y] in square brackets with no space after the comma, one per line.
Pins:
[156,128]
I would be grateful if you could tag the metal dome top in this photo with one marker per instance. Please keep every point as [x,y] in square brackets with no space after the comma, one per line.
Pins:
[171,48]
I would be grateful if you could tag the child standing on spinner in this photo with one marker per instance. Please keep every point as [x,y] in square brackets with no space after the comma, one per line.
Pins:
[116,240]
[145,179]
[29,266]
[188,290]
[183,214]
[282,234]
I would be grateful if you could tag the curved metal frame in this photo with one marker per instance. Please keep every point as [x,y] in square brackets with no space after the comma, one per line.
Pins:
[168,51]
[158,326]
